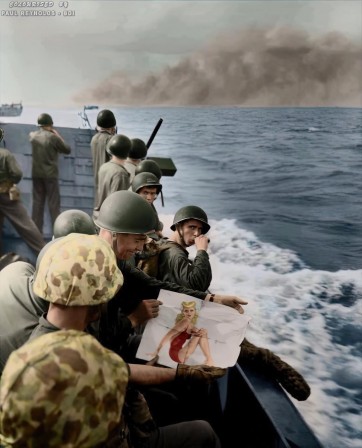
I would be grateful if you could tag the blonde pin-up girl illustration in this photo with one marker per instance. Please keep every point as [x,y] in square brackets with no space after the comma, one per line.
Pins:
[185,337]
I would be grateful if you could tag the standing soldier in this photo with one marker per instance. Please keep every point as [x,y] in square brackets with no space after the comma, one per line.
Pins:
[10,203]
[106,128]
[137,153]
[112,175]
[46,144]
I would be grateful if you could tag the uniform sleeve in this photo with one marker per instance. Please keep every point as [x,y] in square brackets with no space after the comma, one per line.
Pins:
[14,172]
[119,182]
[195,275]
[60,146]
[146,287]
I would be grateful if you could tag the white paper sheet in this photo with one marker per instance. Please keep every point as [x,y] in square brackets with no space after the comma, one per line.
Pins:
[225,331]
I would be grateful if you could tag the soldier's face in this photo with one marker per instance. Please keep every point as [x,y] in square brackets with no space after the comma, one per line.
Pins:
[128,244]
[148,193]
[190,230]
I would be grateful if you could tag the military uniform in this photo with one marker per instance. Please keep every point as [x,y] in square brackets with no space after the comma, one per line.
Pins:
[111,177]
[99,156]
[14,210]
[174,266]
[131,168]
[20,307]
[46,146]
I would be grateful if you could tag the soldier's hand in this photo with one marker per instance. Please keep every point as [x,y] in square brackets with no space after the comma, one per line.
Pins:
[146,310]
[198,374]
[201,242]
[232,301]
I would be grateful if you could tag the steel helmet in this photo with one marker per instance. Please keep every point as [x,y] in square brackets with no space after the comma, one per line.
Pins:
[45,120]
[119,146]
[149,166]
[61,389]
[126,212]
[78,270]
[2,133]
[145,180]
[191,212]
[106,119]
[73,221]
[138,150]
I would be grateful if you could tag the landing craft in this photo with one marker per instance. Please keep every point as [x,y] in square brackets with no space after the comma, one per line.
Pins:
[250,410]
[11,110]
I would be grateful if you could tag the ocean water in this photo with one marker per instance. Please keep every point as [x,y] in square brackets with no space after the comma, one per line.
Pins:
[282,191]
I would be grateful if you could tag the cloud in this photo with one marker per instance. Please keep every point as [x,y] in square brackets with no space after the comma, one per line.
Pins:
[279,66]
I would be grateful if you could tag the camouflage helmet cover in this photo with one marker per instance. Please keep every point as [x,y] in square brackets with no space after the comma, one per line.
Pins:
[61,389]
[142,180]
[191,212]
[78,270]
[138,149]
[45,120]
[73,221]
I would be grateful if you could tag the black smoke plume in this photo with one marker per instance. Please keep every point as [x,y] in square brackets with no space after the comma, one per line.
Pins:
[254,67]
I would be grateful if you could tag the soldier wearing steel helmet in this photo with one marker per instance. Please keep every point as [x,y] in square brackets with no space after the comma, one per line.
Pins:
[77,271]
[112,175]
[20,306]
[62,389]
[77,274]
[137,153]
[46,145]
[149,187]
[106,128]
[125,219]
[11,205]
[190,226]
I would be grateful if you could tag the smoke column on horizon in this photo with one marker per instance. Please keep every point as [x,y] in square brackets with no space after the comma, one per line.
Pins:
[253,67]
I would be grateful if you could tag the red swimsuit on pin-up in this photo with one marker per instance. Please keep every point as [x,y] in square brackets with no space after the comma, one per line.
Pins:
[176,345]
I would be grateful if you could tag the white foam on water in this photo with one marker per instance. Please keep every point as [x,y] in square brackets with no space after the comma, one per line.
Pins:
[296,312]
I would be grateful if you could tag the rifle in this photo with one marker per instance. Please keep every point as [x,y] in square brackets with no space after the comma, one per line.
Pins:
[153,135]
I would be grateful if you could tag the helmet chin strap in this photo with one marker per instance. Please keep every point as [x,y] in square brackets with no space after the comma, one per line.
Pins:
[114,243]
[178,227]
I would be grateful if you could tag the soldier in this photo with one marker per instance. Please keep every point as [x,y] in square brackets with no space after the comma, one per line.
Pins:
[46,145]
[137,153]
[11,205]
[106,128]
[112,175]
[124,220]
[77,274]
[62,389]
[190,226]
[148,186]
[20,306]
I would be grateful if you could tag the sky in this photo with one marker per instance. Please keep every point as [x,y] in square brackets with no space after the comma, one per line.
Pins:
[258,53]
